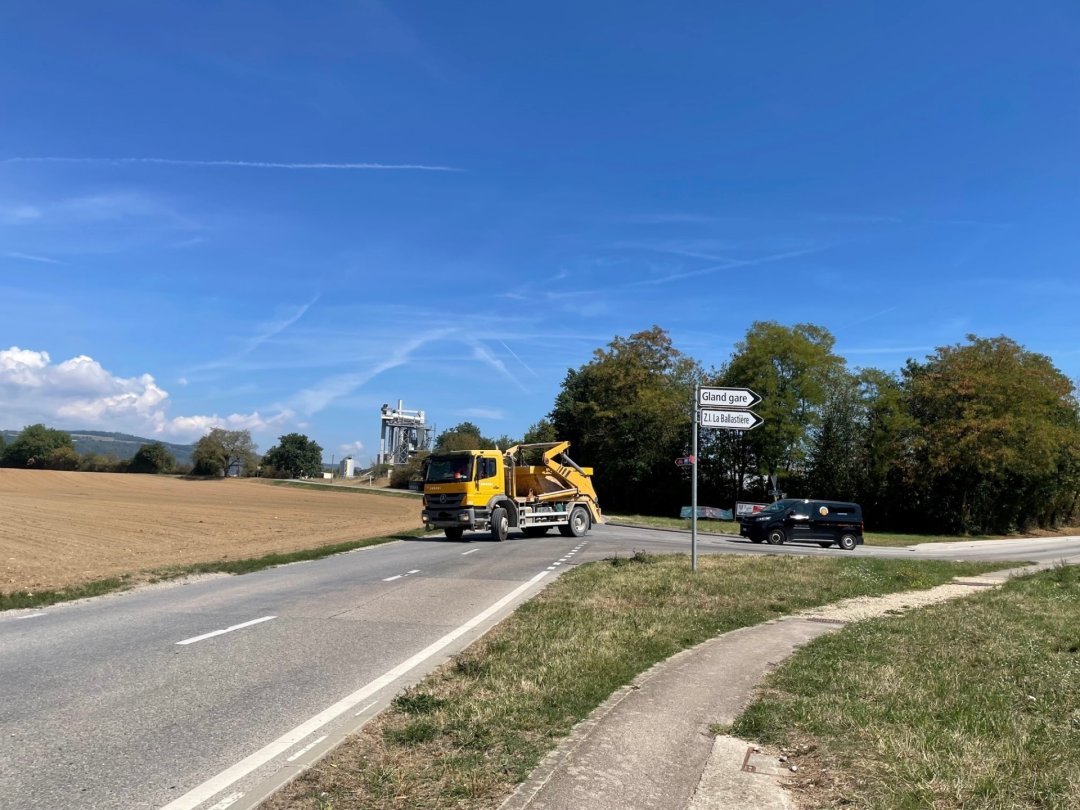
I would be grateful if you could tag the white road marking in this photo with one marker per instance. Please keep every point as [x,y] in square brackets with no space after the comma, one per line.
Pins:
[193,639]
[365,708]
[551,568]
[307,748]
[472,551]
[211,787]
[414,571]
[228,801]
[391,579]
[35,615]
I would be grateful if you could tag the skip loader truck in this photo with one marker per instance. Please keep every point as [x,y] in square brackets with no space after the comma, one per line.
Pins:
[492,490]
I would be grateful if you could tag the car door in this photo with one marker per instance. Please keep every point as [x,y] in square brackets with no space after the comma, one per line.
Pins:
[799,522]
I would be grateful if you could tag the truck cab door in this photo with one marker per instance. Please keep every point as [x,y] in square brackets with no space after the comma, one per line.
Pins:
[488,481]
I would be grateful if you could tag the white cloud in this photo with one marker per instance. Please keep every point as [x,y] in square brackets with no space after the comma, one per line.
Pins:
[481,413]
[351,448]
[235,164]
[19,213]
[30,257]
[81,393]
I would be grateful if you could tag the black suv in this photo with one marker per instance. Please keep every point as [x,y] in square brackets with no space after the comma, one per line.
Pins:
[821,522]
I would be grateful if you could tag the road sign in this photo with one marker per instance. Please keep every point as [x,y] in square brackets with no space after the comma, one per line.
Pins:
[729,420]
[727,398]
[685,461]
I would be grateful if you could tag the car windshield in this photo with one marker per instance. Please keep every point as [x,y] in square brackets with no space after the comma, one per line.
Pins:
[775,508]
[446,469]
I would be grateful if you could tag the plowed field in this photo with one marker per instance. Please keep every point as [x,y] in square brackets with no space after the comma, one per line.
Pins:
[66,528]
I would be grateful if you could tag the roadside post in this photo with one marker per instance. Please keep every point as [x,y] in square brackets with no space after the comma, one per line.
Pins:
[720,409]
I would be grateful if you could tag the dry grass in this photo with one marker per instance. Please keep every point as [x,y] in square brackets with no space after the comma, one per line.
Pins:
[67,529]
[973,703]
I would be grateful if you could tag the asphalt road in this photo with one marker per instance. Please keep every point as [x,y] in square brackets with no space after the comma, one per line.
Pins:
[210,693]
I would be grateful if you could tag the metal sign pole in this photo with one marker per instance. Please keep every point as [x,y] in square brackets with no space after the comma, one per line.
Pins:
[693,484]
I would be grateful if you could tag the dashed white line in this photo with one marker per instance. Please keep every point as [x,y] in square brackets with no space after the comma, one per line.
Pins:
[211,787]
[306,748]
[470,551]
[414,571]
[193,639]
[35,615]
[391,579]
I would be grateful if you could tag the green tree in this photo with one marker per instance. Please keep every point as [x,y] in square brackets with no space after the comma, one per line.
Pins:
[835,465]
[62,458]
[152,458]
[402,474]
[221,450]
[627,413]
[996,442]
[793,369]
[295,456]
[34,445]
[465,436]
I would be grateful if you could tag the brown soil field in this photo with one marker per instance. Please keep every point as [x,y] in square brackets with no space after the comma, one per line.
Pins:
[67,528]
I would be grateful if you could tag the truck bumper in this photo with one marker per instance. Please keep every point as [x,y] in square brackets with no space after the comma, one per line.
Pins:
[466,517]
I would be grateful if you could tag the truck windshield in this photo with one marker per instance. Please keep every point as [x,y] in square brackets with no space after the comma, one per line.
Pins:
[779,506]
[445,469]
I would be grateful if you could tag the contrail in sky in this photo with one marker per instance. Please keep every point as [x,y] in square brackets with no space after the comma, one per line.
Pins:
[242,164]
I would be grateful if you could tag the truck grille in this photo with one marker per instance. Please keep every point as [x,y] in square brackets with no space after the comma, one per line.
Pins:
[444,500]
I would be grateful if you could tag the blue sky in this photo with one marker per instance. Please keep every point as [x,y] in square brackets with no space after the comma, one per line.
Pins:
[278,217]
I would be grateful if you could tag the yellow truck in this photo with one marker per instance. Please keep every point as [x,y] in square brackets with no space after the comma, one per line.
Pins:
[494,490]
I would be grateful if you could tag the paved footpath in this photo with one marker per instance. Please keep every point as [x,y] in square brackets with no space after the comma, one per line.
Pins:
[650,746]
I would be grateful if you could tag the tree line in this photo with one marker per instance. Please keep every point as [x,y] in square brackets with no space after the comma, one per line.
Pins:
[220,452]
[982,436]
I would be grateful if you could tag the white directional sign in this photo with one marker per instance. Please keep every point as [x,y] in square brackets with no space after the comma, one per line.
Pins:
[729,420]
[727,398]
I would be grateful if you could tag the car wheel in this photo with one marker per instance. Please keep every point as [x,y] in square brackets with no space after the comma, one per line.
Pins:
[500,524]
[454,533]
[776,537]
[824,545]
[847,542]
[535,531]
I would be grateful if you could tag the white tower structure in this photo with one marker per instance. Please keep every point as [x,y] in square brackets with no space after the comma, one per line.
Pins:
[403,434]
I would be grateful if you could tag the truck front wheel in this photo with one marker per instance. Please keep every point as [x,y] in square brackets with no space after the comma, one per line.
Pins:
[500,524]
[578,525]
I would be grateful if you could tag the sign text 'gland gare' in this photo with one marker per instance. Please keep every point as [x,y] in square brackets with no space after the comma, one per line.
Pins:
[732,420]
[727,398]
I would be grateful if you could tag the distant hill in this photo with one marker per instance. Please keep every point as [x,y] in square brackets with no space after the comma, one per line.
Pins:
[122,445]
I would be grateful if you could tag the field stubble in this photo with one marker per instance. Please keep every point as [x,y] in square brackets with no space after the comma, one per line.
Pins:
[64,529]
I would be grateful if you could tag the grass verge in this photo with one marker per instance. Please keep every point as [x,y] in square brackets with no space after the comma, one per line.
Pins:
[705,526]
[390,493]
[27,599]
[732,527]
[467,734]
[973,703]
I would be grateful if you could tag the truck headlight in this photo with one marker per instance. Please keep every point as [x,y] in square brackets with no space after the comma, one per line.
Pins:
[463,516]
[424,517]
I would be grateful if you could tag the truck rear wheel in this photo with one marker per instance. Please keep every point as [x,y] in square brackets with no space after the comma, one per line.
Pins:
[578,525]
[500,524]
